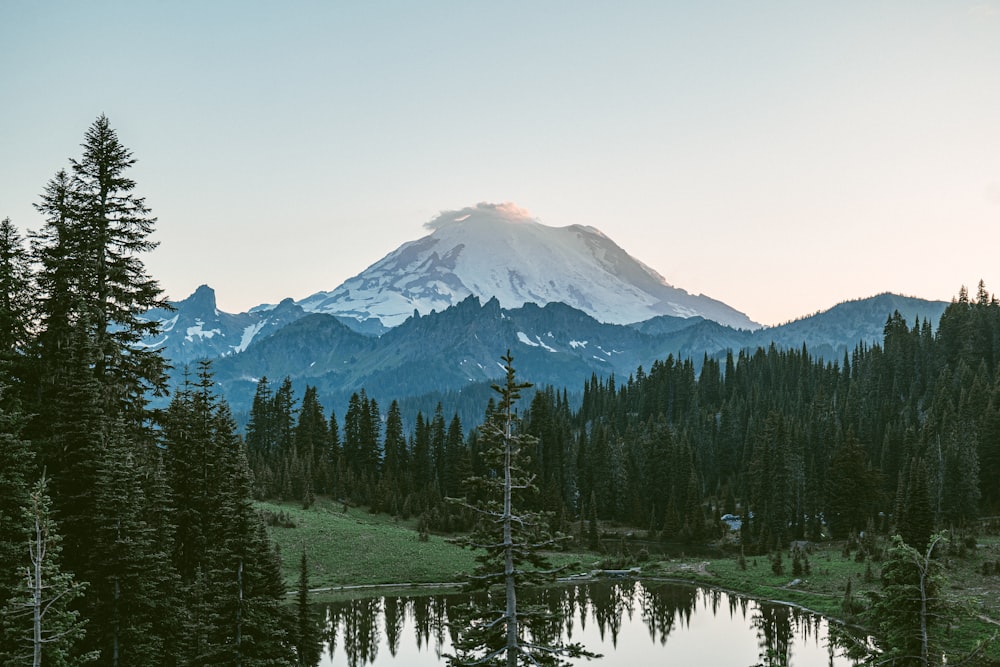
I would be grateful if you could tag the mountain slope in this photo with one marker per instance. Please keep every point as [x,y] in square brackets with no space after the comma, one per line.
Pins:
[458,348]
[860,320]
[498,250]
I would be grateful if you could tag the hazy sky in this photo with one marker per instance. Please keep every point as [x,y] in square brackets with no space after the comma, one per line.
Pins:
[780,157]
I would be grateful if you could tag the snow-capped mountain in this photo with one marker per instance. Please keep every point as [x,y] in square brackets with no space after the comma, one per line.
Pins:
[500,251]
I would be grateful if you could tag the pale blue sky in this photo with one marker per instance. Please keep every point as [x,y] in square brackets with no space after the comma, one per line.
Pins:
[780,157]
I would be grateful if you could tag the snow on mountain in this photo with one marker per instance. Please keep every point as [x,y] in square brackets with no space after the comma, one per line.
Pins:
[499,250]
[197,329]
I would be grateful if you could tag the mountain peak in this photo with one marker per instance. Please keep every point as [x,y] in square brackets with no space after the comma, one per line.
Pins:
[500,251]
[202,300]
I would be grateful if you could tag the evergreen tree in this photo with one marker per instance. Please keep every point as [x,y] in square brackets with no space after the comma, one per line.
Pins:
[438,441]
[261,428]
[458,466]
[910,607]
[422,465]
[283,413]
[91,375]
[231,582]
[163,581]
[16,458]
[362,444]
[127,603]
[261,441]
[333,458]
[370,438]
[189,438]
[92,275]
[312,435]
[914,514]
[510,558]
[246,619]
[851,489]
[394,446]
[72,451]
[16,301]
[119,225]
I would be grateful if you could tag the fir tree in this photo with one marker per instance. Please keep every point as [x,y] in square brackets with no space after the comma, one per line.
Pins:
[16,464]
[231,581]
[118,225]
[851,489]
[312,435]
[16,301]
[394,445]
[910,607]
[92,278]
[126,602]
[914,515]
[91,376]
[510,559]
[247,624]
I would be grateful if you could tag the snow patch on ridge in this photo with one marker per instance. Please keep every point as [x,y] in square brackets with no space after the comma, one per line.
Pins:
[538,342]
[248,336]
[167,325]
[199,331]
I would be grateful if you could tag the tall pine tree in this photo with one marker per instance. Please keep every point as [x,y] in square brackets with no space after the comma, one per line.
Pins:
[510,540]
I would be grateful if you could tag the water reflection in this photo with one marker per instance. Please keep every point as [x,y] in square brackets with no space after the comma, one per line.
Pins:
[643,623]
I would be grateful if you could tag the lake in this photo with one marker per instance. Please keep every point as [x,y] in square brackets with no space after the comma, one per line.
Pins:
[635,623]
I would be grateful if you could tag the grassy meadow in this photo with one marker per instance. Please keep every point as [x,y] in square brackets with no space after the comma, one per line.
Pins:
[357,548]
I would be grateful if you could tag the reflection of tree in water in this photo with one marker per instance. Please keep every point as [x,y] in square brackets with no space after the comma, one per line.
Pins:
[560,604]
[773,634]
[609,603]
[662,608]
[422,620]
[429,614]
[358,620]
[439,622]
[663,605]
[777,626]
[394,615]
[739,606]
[328,632]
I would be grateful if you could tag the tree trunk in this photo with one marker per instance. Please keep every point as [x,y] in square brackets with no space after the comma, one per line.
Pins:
[508,542]
[36,591]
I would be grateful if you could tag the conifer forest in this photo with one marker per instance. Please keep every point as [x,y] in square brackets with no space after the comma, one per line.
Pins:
[128,528]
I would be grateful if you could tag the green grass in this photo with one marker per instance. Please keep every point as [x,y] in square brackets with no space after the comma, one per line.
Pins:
[358,548]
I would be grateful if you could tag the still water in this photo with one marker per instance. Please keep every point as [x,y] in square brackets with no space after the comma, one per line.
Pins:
[630,623]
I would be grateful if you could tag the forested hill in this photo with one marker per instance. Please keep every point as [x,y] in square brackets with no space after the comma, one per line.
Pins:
[451,356]
[906,433]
